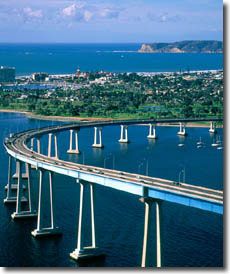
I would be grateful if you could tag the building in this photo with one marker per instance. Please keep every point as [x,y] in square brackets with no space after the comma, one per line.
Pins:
[39,76]
[80,74]
[7,74]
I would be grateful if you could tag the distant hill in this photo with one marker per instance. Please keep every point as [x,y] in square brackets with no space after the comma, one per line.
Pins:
[194,46]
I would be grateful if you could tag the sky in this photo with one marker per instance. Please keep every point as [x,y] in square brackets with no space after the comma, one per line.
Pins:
[110,21]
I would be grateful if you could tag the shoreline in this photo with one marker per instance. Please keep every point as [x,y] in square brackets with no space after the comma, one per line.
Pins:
[144,73]
[82,119]
[52,118]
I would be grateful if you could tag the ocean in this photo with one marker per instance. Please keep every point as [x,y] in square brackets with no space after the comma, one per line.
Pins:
[67,58]
[190,237]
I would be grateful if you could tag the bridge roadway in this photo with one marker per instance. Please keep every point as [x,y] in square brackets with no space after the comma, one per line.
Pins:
[162,189]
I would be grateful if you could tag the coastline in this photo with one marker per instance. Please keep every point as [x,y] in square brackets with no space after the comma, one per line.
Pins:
[84,119]
[144,73]
[53,118]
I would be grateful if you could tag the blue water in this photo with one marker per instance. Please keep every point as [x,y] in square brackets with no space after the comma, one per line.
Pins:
[190,237]
[66,58]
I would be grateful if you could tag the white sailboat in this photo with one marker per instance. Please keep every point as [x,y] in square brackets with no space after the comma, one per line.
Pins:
[200,144]
[217,143]
[214,144]
[180,145]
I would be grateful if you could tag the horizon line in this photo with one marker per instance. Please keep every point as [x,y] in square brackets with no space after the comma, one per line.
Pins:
[138,42]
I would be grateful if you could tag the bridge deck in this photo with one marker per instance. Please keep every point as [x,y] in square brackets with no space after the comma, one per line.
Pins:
[186,194]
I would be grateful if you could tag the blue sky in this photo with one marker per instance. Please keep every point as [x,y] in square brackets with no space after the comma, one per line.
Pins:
[110,21]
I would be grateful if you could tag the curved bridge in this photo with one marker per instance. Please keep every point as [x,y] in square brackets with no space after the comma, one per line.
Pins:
[151,190]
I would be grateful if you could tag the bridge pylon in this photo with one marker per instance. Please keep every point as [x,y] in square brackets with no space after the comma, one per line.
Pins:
[38,147]
[124,134]
[32,144]
[152,132]
[147,222]
[50,146]
[31,212]
[212,128]
[97,133]
[72,150]
[23,175]
[38,144]
[182,131]
[52,229]
[82,252]
[10,198]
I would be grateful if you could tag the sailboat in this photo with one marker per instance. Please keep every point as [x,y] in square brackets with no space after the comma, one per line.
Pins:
[200,143]
[215,144]
[219,142]
[180,145]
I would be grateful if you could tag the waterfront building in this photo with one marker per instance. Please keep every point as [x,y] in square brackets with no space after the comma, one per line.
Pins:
[80,74]
[7,74]
[39,76]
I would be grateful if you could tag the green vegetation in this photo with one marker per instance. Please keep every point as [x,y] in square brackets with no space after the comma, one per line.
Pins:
[124,96]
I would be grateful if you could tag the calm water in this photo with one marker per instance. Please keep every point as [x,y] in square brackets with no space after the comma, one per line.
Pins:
[191,237]
[66,58]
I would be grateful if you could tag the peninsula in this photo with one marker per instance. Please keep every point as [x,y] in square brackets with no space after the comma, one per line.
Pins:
[193,46]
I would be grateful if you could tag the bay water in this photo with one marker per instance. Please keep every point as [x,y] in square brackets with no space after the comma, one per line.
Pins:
[190,237]
[67,58]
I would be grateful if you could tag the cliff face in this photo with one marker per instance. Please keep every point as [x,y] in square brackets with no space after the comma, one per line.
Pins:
[146,48]
[183,47]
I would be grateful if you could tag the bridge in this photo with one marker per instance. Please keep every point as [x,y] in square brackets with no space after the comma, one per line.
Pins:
[151,191]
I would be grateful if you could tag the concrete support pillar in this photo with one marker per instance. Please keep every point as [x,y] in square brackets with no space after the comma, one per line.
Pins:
[51,199]
[30,189]
[38,145]
[50,146]
[41,174]
[158,234]
[72,150]
[79,236]
[32,144]
[124,134]
[40,230]
[55,146]
[9,197]
[70,141]
[23,175]
[152,132]
[146,233]
[182,131]
[212,128]
[97,135]
[19,213]
[147,222]
[100,136]
[89,251]
[19,190]
[92,215]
